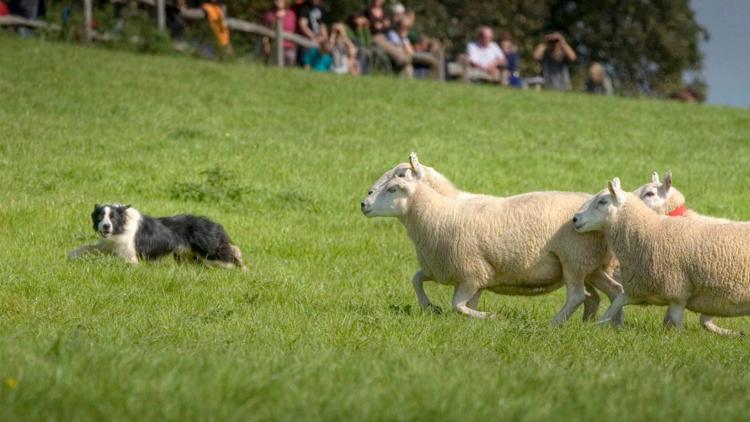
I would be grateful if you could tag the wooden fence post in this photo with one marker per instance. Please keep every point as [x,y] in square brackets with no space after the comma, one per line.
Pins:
[88,15]
[161,14]
[441,63]
[279,44]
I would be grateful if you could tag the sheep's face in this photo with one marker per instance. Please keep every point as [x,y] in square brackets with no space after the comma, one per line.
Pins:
[389,198]
[597,211]
[656,194]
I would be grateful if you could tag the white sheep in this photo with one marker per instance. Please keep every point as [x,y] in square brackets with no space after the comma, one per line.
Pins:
[700,265]
[445,187]
[521,245]
[665,199]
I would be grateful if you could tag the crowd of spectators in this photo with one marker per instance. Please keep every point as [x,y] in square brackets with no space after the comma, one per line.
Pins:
[500,63]
[375,33]
[378,36]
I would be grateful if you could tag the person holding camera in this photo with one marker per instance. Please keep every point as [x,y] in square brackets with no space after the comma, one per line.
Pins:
[554,55]
[343,50]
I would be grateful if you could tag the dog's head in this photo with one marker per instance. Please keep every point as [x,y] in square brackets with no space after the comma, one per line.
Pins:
[109,219]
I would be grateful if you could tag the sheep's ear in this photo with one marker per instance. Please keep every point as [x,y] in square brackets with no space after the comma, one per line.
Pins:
[416,168]
[654,177]
[667,181]
[615,188]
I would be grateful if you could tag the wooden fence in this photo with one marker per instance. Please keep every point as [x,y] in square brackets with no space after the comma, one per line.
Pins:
[277,34]
[12,20]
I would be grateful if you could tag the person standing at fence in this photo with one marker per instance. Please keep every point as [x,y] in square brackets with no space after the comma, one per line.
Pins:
[513,75]
[216,16]
[343,50]
[311,24]
[359,32]
[485,56]
[176,23]
[389,39]
[426,49]
[400,49]
[554,54]
[598,81]
[287,17]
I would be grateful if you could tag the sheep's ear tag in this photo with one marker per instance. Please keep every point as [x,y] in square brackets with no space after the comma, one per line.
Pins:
[654,177]
[416,168]
[667,181]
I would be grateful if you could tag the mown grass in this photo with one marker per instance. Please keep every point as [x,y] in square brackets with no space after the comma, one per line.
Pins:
[325,324]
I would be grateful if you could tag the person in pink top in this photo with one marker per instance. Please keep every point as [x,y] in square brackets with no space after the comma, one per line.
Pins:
[288,23]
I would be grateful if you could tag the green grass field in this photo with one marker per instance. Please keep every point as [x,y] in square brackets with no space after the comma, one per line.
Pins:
[325,325]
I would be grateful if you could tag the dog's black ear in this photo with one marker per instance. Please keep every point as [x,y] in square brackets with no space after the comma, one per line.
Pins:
[97,206]
[95,214]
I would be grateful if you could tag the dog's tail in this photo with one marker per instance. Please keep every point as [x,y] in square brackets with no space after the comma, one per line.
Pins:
[237,257]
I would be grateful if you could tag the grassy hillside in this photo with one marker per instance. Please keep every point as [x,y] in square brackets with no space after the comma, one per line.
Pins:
[325,325]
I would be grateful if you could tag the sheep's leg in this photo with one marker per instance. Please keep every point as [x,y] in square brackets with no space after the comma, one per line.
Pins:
[462,296]
[474,301]
[616,307]
[418,282]
[590,304]
[708,323]
[667,319]
[675,312]
[612,289]
[575,295]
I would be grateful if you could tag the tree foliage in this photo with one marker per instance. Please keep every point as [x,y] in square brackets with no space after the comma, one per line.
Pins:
[646,44]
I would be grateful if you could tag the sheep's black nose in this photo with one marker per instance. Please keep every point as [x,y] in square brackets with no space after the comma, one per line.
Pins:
[362,205]
[575,220]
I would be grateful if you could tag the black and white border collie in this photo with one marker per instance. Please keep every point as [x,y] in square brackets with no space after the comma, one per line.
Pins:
[133,236]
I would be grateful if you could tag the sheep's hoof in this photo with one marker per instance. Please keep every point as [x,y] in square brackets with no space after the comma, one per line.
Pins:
[557,322]
[618,321]
[434,309]
[603,322]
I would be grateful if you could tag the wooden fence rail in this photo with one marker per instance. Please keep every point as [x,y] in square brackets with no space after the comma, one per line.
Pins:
[11,20]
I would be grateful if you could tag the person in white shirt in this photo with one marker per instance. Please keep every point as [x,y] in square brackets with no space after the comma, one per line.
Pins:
[485,55]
